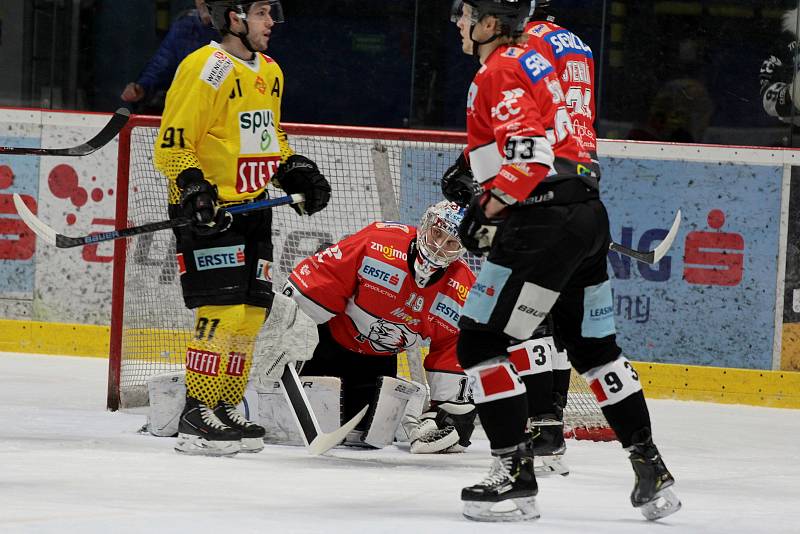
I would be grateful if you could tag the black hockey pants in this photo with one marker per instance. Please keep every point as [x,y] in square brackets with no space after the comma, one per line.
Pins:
[544,259]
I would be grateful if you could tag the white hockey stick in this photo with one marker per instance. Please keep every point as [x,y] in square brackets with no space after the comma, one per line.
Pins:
[655,255]
[317,442]
[51,237]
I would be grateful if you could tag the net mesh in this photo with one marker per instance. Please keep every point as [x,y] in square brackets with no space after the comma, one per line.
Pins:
[373,179]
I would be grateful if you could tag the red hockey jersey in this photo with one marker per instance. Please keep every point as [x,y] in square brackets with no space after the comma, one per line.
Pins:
[364,288]
[519,132]
[574,64]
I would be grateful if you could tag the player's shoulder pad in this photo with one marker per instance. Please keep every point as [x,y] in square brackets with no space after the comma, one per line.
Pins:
[217,66]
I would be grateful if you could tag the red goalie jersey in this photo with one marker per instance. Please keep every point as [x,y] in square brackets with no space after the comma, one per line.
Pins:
[519,132]
[364,288]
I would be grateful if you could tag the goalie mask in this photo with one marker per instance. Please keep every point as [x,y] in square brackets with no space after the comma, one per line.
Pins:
[220,10]
[438,244]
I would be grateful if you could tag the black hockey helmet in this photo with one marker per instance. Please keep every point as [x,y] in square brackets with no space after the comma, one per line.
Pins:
[220,9]
[512,14]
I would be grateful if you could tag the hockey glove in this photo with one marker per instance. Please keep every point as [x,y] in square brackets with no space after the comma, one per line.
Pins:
[290,336]
[199,203]
[772,70]
[458,184]
[301,175]
[477,231]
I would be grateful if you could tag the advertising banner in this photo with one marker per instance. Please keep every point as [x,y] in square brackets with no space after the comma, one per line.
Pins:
[711,300]
[73,195]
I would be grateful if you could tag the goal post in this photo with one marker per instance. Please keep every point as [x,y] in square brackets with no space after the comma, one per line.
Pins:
[376,174]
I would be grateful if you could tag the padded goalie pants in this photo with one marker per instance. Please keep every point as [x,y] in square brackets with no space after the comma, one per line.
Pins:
[359,372]
[544,259]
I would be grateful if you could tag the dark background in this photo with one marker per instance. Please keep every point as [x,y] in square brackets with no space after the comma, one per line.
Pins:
[671,71]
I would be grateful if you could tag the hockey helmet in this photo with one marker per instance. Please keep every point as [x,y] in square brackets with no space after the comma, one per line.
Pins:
[512,14]
[437,236]
[219,10]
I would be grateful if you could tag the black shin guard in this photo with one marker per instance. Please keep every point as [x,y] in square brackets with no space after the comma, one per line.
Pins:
[540,393]
[504,421]
[627,417]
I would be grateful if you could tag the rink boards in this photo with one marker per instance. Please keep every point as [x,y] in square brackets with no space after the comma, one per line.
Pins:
[723,297]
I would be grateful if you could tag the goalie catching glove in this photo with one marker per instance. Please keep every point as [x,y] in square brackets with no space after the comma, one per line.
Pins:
[447,428]
[301,175]
[199,203]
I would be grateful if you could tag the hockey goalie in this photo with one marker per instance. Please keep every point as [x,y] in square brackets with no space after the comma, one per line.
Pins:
[381,291]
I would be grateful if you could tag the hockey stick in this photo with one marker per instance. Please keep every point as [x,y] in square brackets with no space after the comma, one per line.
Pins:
[315,439]
[655,255]
[49,236]
[108,133]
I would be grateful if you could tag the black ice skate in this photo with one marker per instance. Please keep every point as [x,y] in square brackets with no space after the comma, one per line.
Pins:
[650,493]
[508,493]
[201,432]
[252,434]
[547,445]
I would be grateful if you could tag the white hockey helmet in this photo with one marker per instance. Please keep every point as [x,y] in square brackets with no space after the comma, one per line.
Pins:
[437,235]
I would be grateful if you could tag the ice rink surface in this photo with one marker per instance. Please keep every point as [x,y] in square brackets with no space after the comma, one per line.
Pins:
[67,465]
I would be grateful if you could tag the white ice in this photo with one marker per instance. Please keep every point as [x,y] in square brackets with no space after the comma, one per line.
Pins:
[67,465]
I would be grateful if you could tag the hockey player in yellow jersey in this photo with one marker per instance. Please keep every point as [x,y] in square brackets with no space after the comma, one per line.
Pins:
[221,143]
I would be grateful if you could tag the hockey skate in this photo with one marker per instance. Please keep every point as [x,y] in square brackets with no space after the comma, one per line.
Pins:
[548,446]
[252,434]
[201,432]
[508,493]
[651,493]
[355,438]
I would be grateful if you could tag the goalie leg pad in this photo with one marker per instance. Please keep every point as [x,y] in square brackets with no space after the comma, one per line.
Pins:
[388,410]
[417,404]
[275,415]
[167,393]
[288,335]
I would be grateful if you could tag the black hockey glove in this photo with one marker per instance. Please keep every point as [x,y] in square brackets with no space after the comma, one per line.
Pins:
[199,203]
[301,175]
[458,184]
[477,231]
[773,70]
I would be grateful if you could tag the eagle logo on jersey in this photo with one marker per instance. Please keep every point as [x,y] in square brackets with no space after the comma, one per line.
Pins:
[385,336]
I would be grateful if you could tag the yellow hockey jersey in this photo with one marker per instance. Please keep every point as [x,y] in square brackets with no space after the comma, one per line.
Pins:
[222,115]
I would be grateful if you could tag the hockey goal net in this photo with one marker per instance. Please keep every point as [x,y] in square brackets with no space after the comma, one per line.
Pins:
[377,174]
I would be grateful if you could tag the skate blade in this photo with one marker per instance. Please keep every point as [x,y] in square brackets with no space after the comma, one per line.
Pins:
[550,465]
[197,446]
[520,509]
[252,445]
[665,503]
